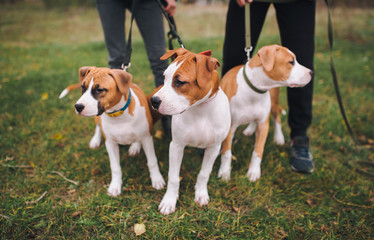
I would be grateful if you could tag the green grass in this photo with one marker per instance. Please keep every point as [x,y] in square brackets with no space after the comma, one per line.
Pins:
[40,53]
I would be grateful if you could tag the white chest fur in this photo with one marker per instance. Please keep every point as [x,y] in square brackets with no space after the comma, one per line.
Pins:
[126,129]
[203,125]
[247,105]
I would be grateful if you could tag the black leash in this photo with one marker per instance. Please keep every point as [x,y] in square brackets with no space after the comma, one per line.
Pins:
[172,34]
[126,62]
[334,76]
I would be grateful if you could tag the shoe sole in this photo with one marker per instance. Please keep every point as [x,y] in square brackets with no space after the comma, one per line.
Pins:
[295,170]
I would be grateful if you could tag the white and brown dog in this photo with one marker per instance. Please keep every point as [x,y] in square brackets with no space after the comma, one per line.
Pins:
[250,101]
[127,120]
[191,93]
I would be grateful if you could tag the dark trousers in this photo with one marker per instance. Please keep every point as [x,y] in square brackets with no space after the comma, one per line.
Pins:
[150,22]
[296,22]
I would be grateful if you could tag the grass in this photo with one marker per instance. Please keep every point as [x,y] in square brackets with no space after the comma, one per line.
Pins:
[40,53]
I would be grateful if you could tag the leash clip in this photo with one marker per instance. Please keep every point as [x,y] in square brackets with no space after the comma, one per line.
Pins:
[248,52]
[125,67]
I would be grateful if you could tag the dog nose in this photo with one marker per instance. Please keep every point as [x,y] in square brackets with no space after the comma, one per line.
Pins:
[79,107]
[155,101]
[311,73]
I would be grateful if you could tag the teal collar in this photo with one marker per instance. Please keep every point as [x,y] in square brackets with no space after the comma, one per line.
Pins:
[120,112]
[250,84]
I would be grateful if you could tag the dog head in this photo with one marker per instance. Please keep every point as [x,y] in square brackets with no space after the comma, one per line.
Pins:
[102,88]
[277,66]
[189,80]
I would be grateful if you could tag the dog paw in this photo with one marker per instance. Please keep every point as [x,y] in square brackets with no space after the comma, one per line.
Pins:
[167,204]
[279,139]
[202,197]
[224,174]
[95,142]
[250,129]
[158,182]
[114,189]
[134,149]
[254,173]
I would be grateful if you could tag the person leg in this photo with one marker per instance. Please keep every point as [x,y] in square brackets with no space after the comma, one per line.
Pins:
[150,22]
[296,22]
[234,43]
[112,16]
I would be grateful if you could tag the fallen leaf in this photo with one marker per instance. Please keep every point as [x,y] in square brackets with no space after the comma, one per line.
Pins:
[72,191]
[235,209]
[77,213]
[58,136]
[44,96]
[311,202]
[139,229]
[159,134]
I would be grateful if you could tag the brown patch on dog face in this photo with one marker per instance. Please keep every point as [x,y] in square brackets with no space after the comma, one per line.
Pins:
[108,87]
[196,76]
[277,62]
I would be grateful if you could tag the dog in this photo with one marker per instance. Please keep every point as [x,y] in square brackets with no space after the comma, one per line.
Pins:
[125,115]
[247,87]
[201,117]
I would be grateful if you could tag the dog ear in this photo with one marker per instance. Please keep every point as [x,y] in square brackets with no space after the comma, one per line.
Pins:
[122,79]
[83,72]
[173,53]
[204,68]
[267,56]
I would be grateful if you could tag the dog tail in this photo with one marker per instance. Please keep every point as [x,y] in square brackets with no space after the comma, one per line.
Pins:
[68,89]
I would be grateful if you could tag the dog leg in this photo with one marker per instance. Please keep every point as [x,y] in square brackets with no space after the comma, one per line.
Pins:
[149,150]
[201,187]
[116,184]
[276,111]
[250,129]
[254,171]
[134,149]
[278,133]
[224,171]
[96,139]
[169,200]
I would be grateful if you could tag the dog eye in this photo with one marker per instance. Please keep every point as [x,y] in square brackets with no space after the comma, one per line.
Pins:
[83,87]
[100,90]
[292,62]
[179,83]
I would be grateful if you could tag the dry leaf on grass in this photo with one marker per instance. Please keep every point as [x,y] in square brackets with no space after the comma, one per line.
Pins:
[139,229]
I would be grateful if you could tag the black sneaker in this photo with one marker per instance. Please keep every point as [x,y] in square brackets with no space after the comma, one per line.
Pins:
[301,158]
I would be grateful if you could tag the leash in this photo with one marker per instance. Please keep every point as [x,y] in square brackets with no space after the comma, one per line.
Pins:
[126,62]
[334,75]
[172,34]
[248,46]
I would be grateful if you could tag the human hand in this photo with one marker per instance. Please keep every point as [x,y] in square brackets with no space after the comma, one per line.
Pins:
[241,3]
[171,7]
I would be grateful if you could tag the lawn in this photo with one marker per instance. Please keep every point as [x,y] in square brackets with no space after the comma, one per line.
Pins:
[41,51]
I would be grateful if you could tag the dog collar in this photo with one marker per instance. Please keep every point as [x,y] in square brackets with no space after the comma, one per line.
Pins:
[250,84]
[120,112]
